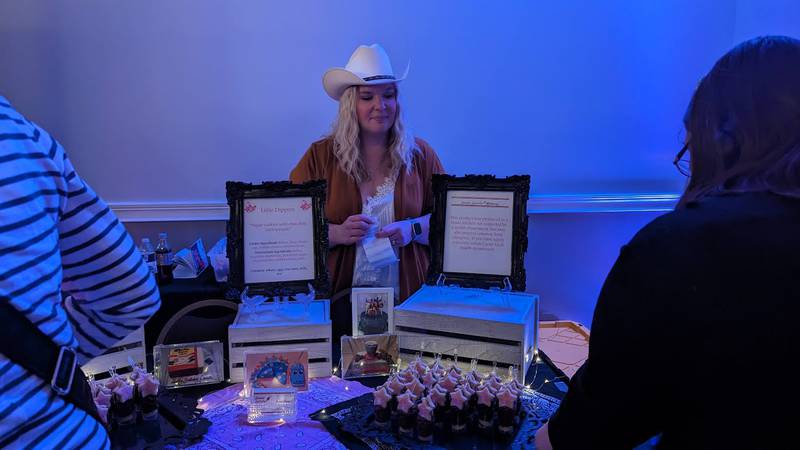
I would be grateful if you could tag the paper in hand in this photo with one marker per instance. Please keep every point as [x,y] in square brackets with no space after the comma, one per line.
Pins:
[379,251]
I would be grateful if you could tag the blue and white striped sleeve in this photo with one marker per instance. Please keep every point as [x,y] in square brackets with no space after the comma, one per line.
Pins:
[109,290]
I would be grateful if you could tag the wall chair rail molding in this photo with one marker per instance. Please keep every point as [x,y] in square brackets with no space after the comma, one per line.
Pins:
[537,204]
[601,203]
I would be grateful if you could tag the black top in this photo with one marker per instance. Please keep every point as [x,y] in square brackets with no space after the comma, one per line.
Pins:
[694,334]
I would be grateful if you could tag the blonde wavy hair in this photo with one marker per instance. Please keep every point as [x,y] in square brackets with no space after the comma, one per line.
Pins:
[347,142]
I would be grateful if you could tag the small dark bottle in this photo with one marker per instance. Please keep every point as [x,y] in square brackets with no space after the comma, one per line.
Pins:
[163,260]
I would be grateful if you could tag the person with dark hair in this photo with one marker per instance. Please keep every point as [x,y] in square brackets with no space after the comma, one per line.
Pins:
[698,314]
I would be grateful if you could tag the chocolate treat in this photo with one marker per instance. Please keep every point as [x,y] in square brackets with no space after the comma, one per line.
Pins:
[485,410]
[448,383]
[383,413]
[439,398]
[459,417]
[123,408]
[406,376]
[471,396]
[506,413]
[438,369]
[474,380]
[103,397]
[137,373]
[512,386]
[494,382]
[114,382]
[516,385]
[455,370]
[396,385]
[449,405]
[94,386]
[416,388]
[425,420]
[406,413]
[102,411]
[147,398]
[419,366]
[429,380]
[394,388]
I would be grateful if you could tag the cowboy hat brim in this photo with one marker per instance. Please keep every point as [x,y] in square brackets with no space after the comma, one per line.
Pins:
[337,80]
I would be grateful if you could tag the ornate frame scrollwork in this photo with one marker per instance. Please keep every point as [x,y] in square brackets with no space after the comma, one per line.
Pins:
[236,193]
[520,186]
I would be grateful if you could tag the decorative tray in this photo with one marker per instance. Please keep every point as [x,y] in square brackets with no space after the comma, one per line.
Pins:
[351,422]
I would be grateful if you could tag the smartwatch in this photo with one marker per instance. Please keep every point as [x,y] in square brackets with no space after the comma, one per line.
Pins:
[416,230]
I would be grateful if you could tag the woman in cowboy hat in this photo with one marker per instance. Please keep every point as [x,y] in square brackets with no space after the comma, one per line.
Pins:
[379,183]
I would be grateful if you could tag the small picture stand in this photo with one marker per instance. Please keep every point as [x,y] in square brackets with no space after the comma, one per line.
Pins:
[372,310]
[369,355]
[189,364]
[272,405]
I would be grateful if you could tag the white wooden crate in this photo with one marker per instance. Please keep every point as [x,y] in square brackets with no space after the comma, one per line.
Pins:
[284,331]
[117,355]
[491,326]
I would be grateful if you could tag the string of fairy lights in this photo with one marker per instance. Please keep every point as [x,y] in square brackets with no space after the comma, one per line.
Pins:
[513,370]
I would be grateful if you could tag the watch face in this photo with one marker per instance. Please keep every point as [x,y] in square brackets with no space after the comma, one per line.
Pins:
[417,228]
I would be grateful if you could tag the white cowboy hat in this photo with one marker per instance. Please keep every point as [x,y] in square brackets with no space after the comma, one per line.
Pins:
[368,65]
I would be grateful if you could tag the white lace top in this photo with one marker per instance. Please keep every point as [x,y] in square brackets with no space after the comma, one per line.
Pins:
[381,207]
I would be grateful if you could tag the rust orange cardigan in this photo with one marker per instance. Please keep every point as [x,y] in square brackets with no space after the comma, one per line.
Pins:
[413,197]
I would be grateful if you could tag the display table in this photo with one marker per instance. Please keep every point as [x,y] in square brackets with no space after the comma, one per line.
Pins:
[228,415]
[229,429]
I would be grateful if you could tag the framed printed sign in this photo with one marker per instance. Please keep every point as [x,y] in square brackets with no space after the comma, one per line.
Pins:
[479,231]
[277,237]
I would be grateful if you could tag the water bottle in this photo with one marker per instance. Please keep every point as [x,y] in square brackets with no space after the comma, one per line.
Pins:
[163,260]
[149,254]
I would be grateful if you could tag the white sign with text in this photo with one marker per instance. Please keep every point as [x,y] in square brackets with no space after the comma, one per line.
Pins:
[278,239]
[478,232]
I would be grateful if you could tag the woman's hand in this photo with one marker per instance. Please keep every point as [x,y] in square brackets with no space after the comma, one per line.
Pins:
[399,233]
[351,231]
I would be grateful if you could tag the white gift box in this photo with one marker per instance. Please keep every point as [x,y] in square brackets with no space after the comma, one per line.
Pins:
[118,355]
[286,328]
[492,326]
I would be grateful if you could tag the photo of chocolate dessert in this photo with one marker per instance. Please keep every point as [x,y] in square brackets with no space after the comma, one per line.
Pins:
[372,310]
[369,355]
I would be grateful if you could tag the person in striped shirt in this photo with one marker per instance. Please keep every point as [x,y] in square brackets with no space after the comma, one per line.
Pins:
[66,263]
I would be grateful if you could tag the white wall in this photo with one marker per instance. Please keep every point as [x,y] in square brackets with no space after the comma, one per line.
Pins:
[585,96]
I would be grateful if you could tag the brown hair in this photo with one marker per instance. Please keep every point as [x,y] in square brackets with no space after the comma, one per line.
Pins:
[743,122]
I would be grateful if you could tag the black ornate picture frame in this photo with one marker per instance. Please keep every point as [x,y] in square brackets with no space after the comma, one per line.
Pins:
[442,184]
[237,193]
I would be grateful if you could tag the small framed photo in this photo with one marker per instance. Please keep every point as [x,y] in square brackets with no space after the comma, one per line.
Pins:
[277,238]
[373,310]
[369,355]
[479,231]
[190,364]
[276,370]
